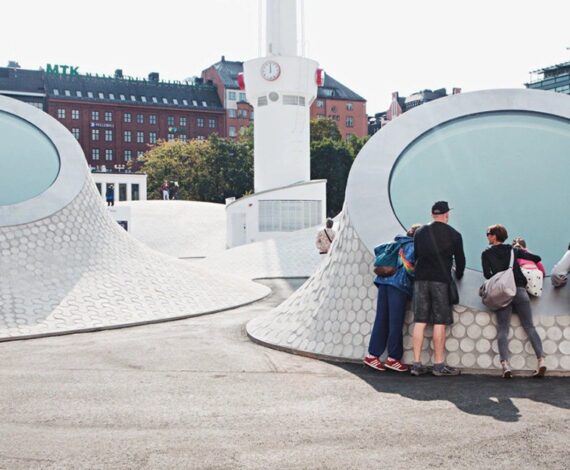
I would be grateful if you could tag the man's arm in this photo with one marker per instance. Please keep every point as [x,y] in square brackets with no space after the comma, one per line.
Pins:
[459,256]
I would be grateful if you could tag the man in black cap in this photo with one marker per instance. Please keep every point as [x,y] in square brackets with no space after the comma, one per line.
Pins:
[436,246]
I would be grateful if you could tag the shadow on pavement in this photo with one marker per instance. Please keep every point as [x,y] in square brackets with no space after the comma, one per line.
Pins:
[476,395]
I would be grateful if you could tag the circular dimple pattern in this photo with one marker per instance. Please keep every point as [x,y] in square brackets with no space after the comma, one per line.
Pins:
[89,273]
[471,341]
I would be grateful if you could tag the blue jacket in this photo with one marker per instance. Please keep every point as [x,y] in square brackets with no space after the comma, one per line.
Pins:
[401,279]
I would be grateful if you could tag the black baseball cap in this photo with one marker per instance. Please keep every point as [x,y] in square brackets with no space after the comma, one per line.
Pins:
[440,207]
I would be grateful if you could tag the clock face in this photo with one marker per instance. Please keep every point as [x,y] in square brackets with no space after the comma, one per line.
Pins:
[270,70]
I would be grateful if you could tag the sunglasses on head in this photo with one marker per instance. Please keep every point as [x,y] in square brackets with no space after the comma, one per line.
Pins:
[488,233]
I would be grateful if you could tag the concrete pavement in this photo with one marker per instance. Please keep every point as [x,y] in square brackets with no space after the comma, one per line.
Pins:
[197,393]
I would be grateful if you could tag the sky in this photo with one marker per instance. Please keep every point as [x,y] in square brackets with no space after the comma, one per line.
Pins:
[374,47]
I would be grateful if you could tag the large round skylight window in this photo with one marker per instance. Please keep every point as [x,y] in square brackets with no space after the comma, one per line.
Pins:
[42,166]
[29,163]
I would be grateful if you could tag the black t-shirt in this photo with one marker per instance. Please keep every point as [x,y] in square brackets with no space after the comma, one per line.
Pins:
[496,258]
[436,245]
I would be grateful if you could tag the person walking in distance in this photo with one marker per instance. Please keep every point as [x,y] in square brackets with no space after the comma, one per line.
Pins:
[436,245]
[325,238]
[110,195]
[165,190]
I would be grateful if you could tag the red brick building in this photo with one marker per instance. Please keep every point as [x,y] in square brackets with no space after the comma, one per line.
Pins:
[334,100]
[117,119]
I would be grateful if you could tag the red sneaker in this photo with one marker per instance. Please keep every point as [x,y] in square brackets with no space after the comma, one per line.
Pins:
[396,365]
[374,362]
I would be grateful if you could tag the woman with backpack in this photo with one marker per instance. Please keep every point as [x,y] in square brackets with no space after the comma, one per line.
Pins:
[500,257]
[394,269]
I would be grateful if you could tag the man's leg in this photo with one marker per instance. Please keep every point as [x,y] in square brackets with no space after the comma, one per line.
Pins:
[439,343]
[417,340]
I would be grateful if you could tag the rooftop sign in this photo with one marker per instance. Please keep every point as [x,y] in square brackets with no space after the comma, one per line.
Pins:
[57,69]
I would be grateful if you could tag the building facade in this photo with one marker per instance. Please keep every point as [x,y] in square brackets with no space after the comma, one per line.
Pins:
[400,105]
[116,119]
[334,101]
[554,78]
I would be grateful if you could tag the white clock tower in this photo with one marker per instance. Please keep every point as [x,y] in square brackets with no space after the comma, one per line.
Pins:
[281,86]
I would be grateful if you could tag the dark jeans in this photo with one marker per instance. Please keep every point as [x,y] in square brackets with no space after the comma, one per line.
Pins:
[521,303]
[387,329]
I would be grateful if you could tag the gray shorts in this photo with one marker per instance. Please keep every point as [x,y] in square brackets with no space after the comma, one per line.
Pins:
[431,303]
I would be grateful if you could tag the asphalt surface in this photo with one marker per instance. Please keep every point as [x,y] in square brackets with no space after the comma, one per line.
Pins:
[197,393]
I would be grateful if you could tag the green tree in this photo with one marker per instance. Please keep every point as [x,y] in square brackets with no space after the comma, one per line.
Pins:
[331,160]
[172,161]
[224,170]
[355,144]
[324,128]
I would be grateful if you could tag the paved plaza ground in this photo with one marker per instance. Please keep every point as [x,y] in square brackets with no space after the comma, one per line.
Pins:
[197,393]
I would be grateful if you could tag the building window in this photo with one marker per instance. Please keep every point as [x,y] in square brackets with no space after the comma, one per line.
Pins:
[242,97]
[251,115]
[170,137]
[183,121]
[333,109]
[194,103]
[108,135]
[170,120]
[75,132]
[140,154]
[349,106]
[287,216]
[67,92]
[108,116]
[185,102]
[152,137]
[135,192]
[212,123]
[140,137]
[154,100]
[133,98]
[55,91]
[140,119]
[349,121]
[232,113]
[174,100]
[122,97]
[79,94]
[127,155]
[94,134]
[94,115]
[165,100]
[127,136]
[122,191]
[101,96]
[320,104]
[95,154]
[61,113]
[232,95]
[200,122]
[152,119]
[204,104]
[111,96]
[183,138]
[127,117]
[89,94]
[242,113]
[143,99]
[232,131]
[74,114]
[108,155]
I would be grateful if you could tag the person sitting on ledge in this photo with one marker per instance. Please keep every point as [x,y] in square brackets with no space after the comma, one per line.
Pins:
[495,259]
[325,238]
[559,275]
[394,291]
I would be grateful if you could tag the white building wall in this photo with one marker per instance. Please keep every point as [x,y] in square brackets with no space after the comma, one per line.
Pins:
[115,179]
[242,216]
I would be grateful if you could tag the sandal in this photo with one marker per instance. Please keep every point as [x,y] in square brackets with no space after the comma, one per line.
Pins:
[540,369]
